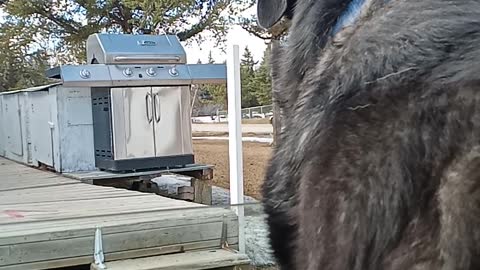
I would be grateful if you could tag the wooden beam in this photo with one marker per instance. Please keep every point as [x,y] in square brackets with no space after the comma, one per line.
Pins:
[194,260]
[202,191]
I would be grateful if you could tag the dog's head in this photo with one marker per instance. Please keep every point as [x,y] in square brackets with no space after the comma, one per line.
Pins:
[313,23]
[328,16]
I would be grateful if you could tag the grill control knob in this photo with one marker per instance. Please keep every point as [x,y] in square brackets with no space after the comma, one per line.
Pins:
[173,71]
[128,72]
[151,72]
[85,74]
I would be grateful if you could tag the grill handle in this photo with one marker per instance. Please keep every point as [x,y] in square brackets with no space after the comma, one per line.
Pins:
[147,58]
[148,98]
[156,105]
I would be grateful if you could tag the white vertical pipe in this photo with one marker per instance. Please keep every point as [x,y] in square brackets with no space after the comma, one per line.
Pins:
[235,138]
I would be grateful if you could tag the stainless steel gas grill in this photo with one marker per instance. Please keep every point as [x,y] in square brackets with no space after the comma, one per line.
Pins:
[140,99]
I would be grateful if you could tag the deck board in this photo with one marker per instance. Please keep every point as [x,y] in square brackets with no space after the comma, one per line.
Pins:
[103,175]
[214,259]
[47,220]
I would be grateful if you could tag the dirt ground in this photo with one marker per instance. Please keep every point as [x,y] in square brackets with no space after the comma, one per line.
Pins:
[255,159]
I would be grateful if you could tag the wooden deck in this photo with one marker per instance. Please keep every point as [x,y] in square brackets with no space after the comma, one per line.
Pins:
[48,221]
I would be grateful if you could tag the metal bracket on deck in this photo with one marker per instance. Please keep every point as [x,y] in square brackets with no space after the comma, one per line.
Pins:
[224,240]
[98,253]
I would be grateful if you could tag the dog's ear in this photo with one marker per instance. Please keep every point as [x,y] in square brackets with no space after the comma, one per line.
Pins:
[270,12]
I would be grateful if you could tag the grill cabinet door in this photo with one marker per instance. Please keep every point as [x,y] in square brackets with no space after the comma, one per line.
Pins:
[168,118]
[132,122]
[186,121]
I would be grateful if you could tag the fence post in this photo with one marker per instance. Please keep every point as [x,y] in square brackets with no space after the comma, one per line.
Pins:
[235,140]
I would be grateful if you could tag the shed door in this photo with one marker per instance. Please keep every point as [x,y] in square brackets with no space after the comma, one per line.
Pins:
[41,133]
[12,125]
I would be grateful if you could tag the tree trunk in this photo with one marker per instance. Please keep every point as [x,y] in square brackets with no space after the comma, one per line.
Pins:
[277,112]
[278,31]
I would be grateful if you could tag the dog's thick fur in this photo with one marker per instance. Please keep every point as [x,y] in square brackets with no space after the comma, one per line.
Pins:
[378,167]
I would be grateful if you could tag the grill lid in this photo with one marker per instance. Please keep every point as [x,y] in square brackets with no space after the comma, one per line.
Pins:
[136,60]
[135,49]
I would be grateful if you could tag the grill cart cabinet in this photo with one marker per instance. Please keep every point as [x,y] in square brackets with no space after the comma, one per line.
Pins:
[142,127]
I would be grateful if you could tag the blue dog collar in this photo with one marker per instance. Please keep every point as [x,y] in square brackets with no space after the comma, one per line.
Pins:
[349,16]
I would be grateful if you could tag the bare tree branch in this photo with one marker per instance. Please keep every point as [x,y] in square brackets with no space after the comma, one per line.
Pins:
[275,32]
[256,31]
[205,21]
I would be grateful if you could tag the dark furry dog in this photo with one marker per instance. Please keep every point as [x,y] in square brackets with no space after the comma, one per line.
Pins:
[378,167]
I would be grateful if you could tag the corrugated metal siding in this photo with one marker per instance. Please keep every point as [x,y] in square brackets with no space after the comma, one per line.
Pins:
[35,118]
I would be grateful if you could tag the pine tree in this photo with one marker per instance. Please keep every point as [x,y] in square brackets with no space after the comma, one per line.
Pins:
[21,67]
[218,92]
[247,60]
[72,21]
[247,74]
[210,58]
[211,94]
[263,81]
[59,29]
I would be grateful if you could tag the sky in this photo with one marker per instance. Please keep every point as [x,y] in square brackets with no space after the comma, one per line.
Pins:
[236,35]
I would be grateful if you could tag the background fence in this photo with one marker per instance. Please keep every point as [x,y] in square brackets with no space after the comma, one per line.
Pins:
[250,113]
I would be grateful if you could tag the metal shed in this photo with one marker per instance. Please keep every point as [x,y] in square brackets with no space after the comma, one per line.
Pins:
[48,125]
